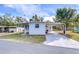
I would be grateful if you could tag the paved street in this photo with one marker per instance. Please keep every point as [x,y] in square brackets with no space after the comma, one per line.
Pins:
[8,47]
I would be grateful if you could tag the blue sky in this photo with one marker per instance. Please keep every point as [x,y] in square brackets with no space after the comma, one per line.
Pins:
[44,10]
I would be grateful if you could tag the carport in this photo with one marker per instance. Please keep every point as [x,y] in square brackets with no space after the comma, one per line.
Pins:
[51,25]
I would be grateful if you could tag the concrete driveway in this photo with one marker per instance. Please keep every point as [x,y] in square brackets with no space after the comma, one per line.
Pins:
[9,47]
[55,39]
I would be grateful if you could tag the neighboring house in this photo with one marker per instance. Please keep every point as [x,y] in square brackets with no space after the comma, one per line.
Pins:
[20,29]
[76,29]
[11,29]
[7,28]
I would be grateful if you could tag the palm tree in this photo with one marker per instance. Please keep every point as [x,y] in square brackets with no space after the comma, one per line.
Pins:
[31,20]
[35,18]
[65,15]
[1,18]
[41,19]
[18,20]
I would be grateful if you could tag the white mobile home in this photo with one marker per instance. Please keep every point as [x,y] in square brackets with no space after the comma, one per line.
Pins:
[37,28]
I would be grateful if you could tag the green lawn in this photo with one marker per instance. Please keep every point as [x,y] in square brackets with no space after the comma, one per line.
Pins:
[70,34]
[73,35]
[25,38]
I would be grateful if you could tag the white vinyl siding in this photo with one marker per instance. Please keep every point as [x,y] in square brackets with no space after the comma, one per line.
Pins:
[37,31]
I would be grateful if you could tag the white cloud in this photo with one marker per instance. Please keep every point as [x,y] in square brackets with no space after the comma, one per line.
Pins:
[51,19]
[28,10]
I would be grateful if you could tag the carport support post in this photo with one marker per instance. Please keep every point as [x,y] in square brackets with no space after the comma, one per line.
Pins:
[51,27]
[64,28]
